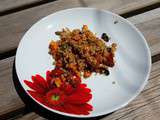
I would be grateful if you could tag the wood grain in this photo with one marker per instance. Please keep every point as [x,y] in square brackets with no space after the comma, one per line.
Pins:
[149,24]
[31,116]
[119,6]
[145,107]
[9,100]
[10,4]
[13,26]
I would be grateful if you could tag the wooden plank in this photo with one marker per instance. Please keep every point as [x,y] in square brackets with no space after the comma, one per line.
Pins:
[145,107]
[149,24]
[13,26]
[120,6]
[10,4]
[31,116]
[9,99]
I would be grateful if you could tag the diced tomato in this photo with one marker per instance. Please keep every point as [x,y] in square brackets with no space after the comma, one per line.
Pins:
[59,64]
[53,46]
[87,74]
[58,82]
[57,72]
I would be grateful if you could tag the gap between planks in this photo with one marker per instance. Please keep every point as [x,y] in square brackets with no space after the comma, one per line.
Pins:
[8,4]
[23,5]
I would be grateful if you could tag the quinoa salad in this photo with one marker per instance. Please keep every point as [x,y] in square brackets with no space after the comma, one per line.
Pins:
[81,52]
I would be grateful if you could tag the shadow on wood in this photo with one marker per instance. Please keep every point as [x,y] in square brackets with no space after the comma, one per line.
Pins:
[35,107]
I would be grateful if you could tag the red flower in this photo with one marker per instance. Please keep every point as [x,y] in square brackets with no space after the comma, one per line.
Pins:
[56,97]
[66,98]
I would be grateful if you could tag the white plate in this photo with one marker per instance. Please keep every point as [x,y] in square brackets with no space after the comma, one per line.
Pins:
[133,59]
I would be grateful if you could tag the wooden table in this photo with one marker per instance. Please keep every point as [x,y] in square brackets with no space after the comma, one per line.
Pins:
[17,16]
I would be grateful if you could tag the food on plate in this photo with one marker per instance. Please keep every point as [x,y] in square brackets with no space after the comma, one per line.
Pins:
[81,51]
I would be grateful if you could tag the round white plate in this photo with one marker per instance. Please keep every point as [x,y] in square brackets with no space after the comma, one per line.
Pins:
[133,59]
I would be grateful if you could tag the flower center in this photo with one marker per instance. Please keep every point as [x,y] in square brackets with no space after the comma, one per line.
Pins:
[55,97]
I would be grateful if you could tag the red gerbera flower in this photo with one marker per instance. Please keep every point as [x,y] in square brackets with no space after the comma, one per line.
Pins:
[55,97]
[65,98]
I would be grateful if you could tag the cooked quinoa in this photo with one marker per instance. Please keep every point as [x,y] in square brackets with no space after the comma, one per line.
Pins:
[81,51]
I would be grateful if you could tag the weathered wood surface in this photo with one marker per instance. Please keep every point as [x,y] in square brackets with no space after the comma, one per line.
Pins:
[31,116]
[149,24]
[118,6]
[9,100]
[10,4]
[13,26]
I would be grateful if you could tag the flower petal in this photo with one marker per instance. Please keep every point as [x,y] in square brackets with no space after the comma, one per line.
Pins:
[83,90]
[71,109]
[59,108]
[88,107]
[77,109]
[67,88]
[48,77]
[39,80]
[78,98]
[30,84]
[57,72]
[85,108]
[82,85]
[35,87]
[37,96]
